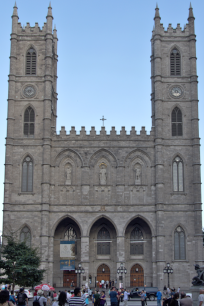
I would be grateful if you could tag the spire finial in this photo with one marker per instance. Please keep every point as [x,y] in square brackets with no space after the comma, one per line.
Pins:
[49,10]
[50,4]
[15,10]
[157,12]
[190,11]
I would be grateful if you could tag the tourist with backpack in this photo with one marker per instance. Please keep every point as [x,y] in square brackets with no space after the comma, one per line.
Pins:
[39,299]
[22,298]
[12,298]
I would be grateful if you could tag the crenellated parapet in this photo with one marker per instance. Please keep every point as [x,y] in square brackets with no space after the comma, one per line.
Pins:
[170,30]
[103,134]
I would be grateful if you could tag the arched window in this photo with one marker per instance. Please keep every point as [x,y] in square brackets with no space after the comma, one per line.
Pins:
[176,121]
[27,175]
[175,62]
[31,61]
[29,122]
[103,247]
[136,247]
[71,235]
[25,236]
[177,174]
[179,244]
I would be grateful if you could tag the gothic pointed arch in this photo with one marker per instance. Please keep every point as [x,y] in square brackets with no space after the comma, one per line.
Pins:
[178,174]
[175,62]
[25,235]
[106,154]
[29,122]
[104,218]
[31,61]
[176,122]
[27,174]
[72,154]
[103,241]
[179,243]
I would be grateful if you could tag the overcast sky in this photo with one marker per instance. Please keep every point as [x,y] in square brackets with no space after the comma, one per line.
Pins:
[104,60]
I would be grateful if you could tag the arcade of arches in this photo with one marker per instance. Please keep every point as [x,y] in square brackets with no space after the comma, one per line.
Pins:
[105,252]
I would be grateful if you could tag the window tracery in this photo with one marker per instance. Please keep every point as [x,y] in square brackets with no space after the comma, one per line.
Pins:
[136,236]
[175,62]
[176,119]
[178,183]
[29,122]
[25,236]
[31,61]
[179,244]
[27,175]
[103,247]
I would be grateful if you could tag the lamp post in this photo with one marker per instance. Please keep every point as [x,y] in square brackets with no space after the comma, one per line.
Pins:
[122,270]
[79,270]
[168,269]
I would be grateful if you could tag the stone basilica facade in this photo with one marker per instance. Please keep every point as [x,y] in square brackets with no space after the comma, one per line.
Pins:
[131,199]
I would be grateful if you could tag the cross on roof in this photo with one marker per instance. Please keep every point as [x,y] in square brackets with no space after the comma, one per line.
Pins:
[103,120]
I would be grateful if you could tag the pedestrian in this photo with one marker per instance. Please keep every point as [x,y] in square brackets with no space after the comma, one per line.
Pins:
[77,300]
[96,298]
[201,297]
[4,297]
[178,290]
[55,303]
[102,298]
[174,300]
[185,301]
[142,295]
[126,293]
[12,298]
[22,298]
[159,296]
[40,298]
[113,297]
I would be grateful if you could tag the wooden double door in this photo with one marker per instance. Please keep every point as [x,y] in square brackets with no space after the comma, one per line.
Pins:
[103,273]
[136,276]
[69,279]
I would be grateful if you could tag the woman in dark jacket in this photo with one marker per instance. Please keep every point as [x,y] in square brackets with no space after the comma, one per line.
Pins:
[174,300]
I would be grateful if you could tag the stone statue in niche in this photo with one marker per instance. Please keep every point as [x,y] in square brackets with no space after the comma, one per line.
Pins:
[138,174]
[68,175]
[102,174]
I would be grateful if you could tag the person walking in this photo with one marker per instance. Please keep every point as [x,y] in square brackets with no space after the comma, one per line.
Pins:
[22,298]
[125,298]
[201,297]
[159,296]
[40,298]
[185,301]
[142,295]
[102,298]
[113,297]
[77,300]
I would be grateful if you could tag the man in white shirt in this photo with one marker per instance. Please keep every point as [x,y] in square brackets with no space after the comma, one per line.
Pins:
[201,297]
[68,295]
[126,293]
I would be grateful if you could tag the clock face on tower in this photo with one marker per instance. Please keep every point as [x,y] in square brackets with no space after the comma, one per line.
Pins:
[176,92]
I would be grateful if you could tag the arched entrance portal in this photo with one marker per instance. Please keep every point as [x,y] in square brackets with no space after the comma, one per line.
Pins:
[69,278]
[136,276]
[103,274]
[66,259]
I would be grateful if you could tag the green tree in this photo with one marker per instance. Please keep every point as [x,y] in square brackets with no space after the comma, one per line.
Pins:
[19,264]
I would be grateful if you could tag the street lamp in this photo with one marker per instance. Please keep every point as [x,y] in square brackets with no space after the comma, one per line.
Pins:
[168,269]
[122,270]
[79,270]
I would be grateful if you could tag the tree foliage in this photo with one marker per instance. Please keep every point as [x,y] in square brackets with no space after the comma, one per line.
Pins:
[19,264]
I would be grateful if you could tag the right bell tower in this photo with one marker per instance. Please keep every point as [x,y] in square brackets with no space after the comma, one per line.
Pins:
[174,100]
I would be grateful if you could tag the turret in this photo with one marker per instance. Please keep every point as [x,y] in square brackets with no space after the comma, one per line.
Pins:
[157,19]
[191,20]
[14,19]
[49,19]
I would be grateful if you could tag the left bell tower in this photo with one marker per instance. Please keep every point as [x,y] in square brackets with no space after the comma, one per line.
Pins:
[31,121]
